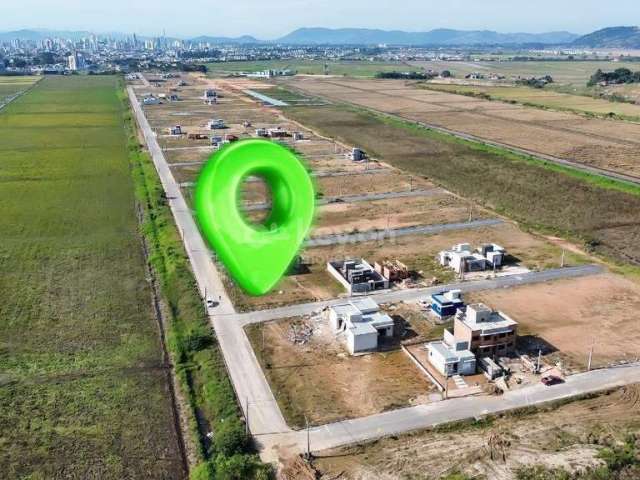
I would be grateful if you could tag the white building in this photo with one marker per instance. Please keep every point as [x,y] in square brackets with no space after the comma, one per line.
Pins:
[362,324]
[73,62]
[151,100]
[450,357]
[214,124]
[462,258]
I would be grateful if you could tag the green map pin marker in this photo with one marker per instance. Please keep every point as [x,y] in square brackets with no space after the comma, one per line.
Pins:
[256,255]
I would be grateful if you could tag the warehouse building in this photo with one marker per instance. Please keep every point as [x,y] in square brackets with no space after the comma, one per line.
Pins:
[362,324]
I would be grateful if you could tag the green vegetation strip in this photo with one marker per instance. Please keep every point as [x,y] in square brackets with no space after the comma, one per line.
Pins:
[540,195]
[194,350]
[83,390]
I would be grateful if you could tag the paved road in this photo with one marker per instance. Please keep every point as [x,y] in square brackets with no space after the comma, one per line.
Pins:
[246,375]
[424,416]
[192,147]
[372,235]
[256,399]
[264,98]
[411,294]
[367,197]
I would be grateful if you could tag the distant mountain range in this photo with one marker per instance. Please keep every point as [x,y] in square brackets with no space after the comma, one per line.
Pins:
[613,37]
[38,34]
[434,37]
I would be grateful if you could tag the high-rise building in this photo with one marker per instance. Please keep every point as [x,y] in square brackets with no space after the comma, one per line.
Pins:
[73,62]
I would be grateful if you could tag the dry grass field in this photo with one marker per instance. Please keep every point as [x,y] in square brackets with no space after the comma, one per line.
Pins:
[585,209]
[544,98]
[568,436]
[604,143]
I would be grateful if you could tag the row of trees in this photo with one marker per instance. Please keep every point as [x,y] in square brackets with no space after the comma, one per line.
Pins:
[618,76]
[535,82]
[414,75]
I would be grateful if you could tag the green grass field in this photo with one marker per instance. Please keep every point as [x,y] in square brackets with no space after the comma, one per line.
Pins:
[11,85]
[542,196]
[546,98]
[83,389]
[309,67]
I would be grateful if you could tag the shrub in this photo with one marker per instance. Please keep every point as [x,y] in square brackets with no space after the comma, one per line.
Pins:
[230,437]
[241,467]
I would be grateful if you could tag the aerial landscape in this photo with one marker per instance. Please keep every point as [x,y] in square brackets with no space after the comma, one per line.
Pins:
[464,305]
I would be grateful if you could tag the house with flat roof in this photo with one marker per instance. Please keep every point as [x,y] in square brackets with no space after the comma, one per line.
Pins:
[489,333]
[463,258]
[446,303]
[362,323]
[449,360]
[357,276]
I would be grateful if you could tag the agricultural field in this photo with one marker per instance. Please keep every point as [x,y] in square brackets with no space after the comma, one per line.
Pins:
[602,143]
[84,387]
[9,86]
[599,214]
[569,72]
[354,68]
[545,98]
[572,436]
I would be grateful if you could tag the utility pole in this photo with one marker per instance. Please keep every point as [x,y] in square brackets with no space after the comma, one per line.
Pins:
[411,183]
[246,417]
[593,342]
[562,259]
[308,453]
[538,363]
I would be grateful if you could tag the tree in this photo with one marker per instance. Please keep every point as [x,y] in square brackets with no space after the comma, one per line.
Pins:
[230,437]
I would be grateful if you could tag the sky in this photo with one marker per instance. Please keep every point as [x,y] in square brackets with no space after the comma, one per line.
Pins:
[269,19]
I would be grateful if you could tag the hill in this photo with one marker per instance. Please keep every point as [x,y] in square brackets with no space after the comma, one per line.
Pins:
[37,34]
[613,37]
[433,37]
[237,40]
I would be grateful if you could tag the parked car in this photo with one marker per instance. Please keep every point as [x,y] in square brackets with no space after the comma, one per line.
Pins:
[211,303]
[550,380]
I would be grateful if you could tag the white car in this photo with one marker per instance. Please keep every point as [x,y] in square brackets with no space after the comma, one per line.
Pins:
[211,303]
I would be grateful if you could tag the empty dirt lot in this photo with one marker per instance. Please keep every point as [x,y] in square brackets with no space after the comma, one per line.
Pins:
[604,143]
[322,381]
[573,314]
